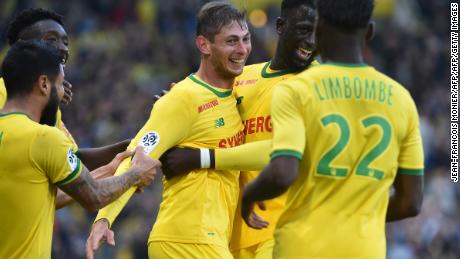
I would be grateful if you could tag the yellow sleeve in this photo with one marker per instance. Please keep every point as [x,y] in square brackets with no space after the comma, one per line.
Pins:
[2,93]
[168,125]
[288,123]
[410,160]
[55,156]
[252,156]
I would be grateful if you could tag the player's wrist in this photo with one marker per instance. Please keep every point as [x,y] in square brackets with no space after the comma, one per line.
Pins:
[205,158]
[103,222]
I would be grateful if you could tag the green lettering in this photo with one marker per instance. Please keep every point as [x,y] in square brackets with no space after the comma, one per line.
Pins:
[390,94]
[1,136]
[382,95]
[325,88]
[357,81]
[336,91]
[321,98]
[346,87]
[369,91]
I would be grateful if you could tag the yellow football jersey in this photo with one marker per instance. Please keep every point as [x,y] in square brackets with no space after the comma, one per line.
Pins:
[353,128]
[59,123]
[33,159]
[253,91]
[198,207]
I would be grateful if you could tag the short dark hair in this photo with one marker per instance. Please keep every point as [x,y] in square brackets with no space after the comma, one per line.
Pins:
[288,5]
[346,14]
[28,17]
[25,62]
[214,15]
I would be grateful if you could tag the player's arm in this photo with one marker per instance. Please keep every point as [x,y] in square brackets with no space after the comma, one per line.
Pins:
[168,125]
[63,199]
[406,200]
[288,147]
[248,157]
[95,194]
[94,158]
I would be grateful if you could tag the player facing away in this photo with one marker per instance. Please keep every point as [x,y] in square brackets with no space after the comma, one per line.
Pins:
[253,90]
[344,133]
[36,158]
[46,25]
[196,215]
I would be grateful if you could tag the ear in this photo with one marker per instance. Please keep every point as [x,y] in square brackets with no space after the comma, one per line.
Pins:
[44,85]
[203,45]
[370,31]
[280,25]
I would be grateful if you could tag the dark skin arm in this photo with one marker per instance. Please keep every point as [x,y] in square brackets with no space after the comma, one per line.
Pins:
[95,194]
[94,158]
[179,161]
[407,199]
[273,181]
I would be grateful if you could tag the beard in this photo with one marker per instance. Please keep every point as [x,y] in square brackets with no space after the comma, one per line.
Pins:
[49,113]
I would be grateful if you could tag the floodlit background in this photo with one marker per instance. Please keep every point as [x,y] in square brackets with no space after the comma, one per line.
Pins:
[122,52]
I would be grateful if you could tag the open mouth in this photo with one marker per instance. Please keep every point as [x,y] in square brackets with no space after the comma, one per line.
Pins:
[304,54]
[237,61]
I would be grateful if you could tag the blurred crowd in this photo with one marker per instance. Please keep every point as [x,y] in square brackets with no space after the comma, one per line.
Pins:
[123,52]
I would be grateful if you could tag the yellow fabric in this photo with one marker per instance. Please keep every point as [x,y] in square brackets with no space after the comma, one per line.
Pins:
[172,250]
[32,158]
[253,90]
[236,158]
[59,123]
[262,250]
[341,216]
[198,207]
[2,93]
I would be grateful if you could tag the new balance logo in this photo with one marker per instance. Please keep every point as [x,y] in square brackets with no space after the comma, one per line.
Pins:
[219,122]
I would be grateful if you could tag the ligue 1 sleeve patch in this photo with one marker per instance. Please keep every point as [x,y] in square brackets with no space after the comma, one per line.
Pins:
[149,141]
[72,159]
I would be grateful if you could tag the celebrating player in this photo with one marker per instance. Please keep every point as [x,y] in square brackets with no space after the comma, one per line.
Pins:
[35,158]
[344,133]
[48,26]
[253,90]
[197,211]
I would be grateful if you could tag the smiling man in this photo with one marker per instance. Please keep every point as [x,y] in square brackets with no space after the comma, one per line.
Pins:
[253,90]
[196,215]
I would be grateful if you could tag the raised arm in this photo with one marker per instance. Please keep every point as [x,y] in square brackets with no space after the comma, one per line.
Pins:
[167,126]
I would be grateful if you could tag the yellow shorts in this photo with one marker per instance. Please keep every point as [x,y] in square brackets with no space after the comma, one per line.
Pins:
[173,250]
[262,250]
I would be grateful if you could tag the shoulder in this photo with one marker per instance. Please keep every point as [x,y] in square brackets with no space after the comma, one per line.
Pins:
[50,136]
[251,71]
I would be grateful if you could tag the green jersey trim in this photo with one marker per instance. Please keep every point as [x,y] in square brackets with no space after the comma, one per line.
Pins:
[210,88]
[266,74]
[13,113]
[72,176]
[346,64]
[293,153]
[415,172]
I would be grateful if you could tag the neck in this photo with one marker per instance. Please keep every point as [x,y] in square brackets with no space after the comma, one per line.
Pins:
[208,74]
[342,48]
[279,62]
[23,105]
